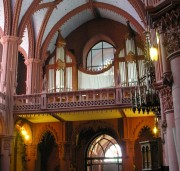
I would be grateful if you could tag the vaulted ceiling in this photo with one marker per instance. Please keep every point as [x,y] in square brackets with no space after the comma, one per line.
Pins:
[37,21]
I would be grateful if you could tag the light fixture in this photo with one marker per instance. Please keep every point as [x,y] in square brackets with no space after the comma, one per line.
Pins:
[155,129]
[24,133]
[153,53]
[27,137]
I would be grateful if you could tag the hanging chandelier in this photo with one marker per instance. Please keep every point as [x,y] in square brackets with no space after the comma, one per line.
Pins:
[144,96]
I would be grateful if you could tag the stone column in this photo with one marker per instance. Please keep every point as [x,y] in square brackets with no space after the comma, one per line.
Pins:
[175,65]
[167,105]
[173,163]
[31,153]
[169,22]
[34,76]
[128,163]
[167,79]
[8,77]
[64,155]
[5,152]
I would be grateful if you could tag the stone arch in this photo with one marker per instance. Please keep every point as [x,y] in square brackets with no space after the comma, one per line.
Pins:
[43,130]
[85,133]
[21,50]
[97,127]
[144,122]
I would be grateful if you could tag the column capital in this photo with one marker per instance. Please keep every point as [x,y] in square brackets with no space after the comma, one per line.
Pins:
[10,39]
[169,25]
[32,60]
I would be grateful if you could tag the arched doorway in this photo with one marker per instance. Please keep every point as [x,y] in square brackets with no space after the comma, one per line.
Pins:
[48,155]
[104,154]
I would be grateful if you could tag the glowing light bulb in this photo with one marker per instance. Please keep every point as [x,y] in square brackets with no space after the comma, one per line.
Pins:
[23,132]
[155,130]
[154,53]
[26,137]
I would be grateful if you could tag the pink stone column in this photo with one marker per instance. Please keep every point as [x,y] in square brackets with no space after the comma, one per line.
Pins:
[34,76]
[9,63]
[5,156]
[175,68]
[8,77]
[166,67]
[163,132]
[165,63]
[173,163]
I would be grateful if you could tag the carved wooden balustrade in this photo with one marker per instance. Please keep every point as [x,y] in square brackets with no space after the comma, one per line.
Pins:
[73,100]
[2,101]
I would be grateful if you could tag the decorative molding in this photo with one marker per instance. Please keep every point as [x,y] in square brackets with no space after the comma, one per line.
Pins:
[170,25]
[166,96]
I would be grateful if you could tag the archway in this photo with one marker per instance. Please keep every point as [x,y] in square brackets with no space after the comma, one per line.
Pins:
[104,154]
[48,155]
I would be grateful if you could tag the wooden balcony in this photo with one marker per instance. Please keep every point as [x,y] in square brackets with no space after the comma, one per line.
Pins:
[111,98]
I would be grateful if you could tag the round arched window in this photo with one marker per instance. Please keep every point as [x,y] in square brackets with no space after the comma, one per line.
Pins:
[100,56]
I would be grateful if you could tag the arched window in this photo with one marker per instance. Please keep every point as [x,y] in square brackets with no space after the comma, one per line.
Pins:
[103,154]
[100,56]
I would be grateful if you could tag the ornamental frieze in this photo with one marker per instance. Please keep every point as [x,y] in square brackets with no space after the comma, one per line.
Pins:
[169,24]
[167,100]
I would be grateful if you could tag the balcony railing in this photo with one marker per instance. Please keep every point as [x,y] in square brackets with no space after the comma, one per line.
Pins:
[73,100]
